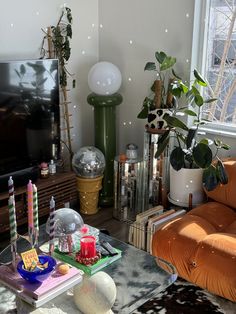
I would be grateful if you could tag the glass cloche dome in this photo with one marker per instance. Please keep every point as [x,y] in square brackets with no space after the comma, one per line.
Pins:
[89,162]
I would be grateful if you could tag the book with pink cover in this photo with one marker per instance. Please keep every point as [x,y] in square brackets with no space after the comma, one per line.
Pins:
[38,294]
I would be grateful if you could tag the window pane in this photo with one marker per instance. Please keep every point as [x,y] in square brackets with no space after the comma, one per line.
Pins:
[221,62]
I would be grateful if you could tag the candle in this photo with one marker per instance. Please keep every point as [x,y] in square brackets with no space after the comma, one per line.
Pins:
[12,218]
[10,186]
[30,205]
[88,247]
[35,207]
[36,219]
[52,225]
[13,228]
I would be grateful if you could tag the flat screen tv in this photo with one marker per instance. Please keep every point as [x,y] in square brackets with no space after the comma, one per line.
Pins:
[29,114]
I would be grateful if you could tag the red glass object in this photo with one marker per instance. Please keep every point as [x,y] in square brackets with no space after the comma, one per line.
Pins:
[88,247]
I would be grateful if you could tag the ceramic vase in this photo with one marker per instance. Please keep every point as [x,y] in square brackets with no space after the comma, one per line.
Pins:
[184,182]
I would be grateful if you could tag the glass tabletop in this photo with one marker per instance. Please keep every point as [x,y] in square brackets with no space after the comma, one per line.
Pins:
[138,275]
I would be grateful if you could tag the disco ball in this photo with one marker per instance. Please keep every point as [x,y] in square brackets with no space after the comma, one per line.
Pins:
[89,162]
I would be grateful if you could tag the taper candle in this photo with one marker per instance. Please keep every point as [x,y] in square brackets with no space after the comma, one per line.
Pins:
[13,229]
[30,204]
[10,186]
[12,218]
[36,218]
[35,207]
[52,225]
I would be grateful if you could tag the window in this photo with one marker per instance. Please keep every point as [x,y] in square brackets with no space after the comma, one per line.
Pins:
[215,37]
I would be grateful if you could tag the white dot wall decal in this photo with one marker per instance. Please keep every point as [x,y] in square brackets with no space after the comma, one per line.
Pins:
[187,15]
[83,52]
[93,25]
[101,26]
[130,122]
[131,41]
[129,79]
[187,60]
[12,25]
[74,106]
[89,37]
[37,13]
[166,30]
[124,123]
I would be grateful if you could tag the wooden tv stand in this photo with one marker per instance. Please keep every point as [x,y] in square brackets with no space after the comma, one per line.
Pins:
[62,186]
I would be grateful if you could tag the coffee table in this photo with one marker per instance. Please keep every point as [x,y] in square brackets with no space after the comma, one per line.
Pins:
[138,277]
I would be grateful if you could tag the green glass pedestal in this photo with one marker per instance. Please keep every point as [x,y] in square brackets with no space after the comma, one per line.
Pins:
[105,139]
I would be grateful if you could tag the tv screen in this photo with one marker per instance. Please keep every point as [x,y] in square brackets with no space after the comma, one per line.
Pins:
[29,113]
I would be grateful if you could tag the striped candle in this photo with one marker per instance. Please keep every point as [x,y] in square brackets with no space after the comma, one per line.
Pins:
[35,207]
[52,225]
[10,186]
[12,218]
[30,205]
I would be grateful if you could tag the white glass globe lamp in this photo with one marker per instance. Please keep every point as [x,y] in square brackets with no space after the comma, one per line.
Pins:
[104,78]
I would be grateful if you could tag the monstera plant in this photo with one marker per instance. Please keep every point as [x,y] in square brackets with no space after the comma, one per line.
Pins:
[192,151]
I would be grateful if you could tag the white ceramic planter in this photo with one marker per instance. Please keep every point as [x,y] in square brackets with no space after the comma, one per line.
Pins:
[184,182]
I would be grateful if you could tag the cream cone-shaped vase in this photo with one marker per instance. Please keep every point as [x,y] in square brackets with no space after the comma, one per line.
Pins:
[88,194]
[184,182]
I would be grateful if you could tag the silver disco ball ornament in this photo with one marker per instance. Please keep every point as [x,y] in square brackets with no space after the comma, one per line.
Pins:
[89,162]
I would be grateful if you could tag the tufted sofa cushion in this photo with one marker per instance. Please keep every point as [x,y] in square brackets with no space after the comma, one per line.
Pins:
[226,193]
[202,247]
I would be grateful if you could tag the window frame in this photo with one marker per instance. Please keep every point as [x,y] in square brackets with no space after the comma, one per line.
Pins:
[198,61]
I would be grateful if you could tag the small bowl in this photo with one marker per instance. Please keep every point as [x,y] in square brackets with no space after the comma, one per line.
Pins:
[37,276]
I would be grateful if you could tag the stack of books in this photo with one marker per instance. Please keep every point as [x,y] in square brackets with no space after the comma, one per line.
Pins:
[147,223]
[39,294]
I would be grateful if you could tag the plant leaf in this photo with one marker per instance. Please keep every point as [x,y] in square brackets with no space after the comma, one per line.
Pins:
[221,172]
[198,100]
[177,158]
[143,114]
[202,155]
[174,122]
[175,75]
[160,56]
[199,78]
[209,178]
[190,112]
[210,100]
[150,66]
[190,137]
[162,143]
[167,63]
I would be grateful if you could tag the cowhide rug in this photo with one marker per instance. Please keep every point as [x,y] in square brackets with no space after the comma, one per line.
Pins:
[185,298]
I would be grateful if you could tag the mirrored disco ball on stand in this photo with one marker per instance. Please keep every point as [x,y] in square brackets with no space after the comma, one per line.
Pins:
[89,165]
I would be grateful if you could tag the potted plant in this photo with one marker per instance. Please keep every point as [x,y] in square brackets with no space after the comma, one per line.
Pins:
[192,152]
[161,98]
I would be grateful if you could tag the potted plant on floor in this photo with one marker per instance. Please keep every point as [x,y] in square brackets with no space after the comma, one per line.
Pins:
[161,98]
[194,159]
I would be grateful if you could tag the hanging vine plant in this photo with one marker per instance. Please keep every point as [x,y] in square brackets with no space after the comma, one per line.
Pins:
[58,46]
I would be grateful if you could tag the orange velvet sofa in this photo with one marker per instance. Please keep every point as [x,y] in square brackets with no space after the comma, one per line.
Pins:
[202,243]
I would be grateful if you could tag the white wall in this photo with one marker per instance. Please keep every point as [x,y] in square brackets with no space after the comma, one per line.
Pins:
[21,36]
[151,25]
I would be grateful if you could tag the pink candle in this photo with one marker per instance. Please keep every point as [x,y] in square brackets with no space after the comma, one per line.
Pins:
[30,204]
[88,247]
